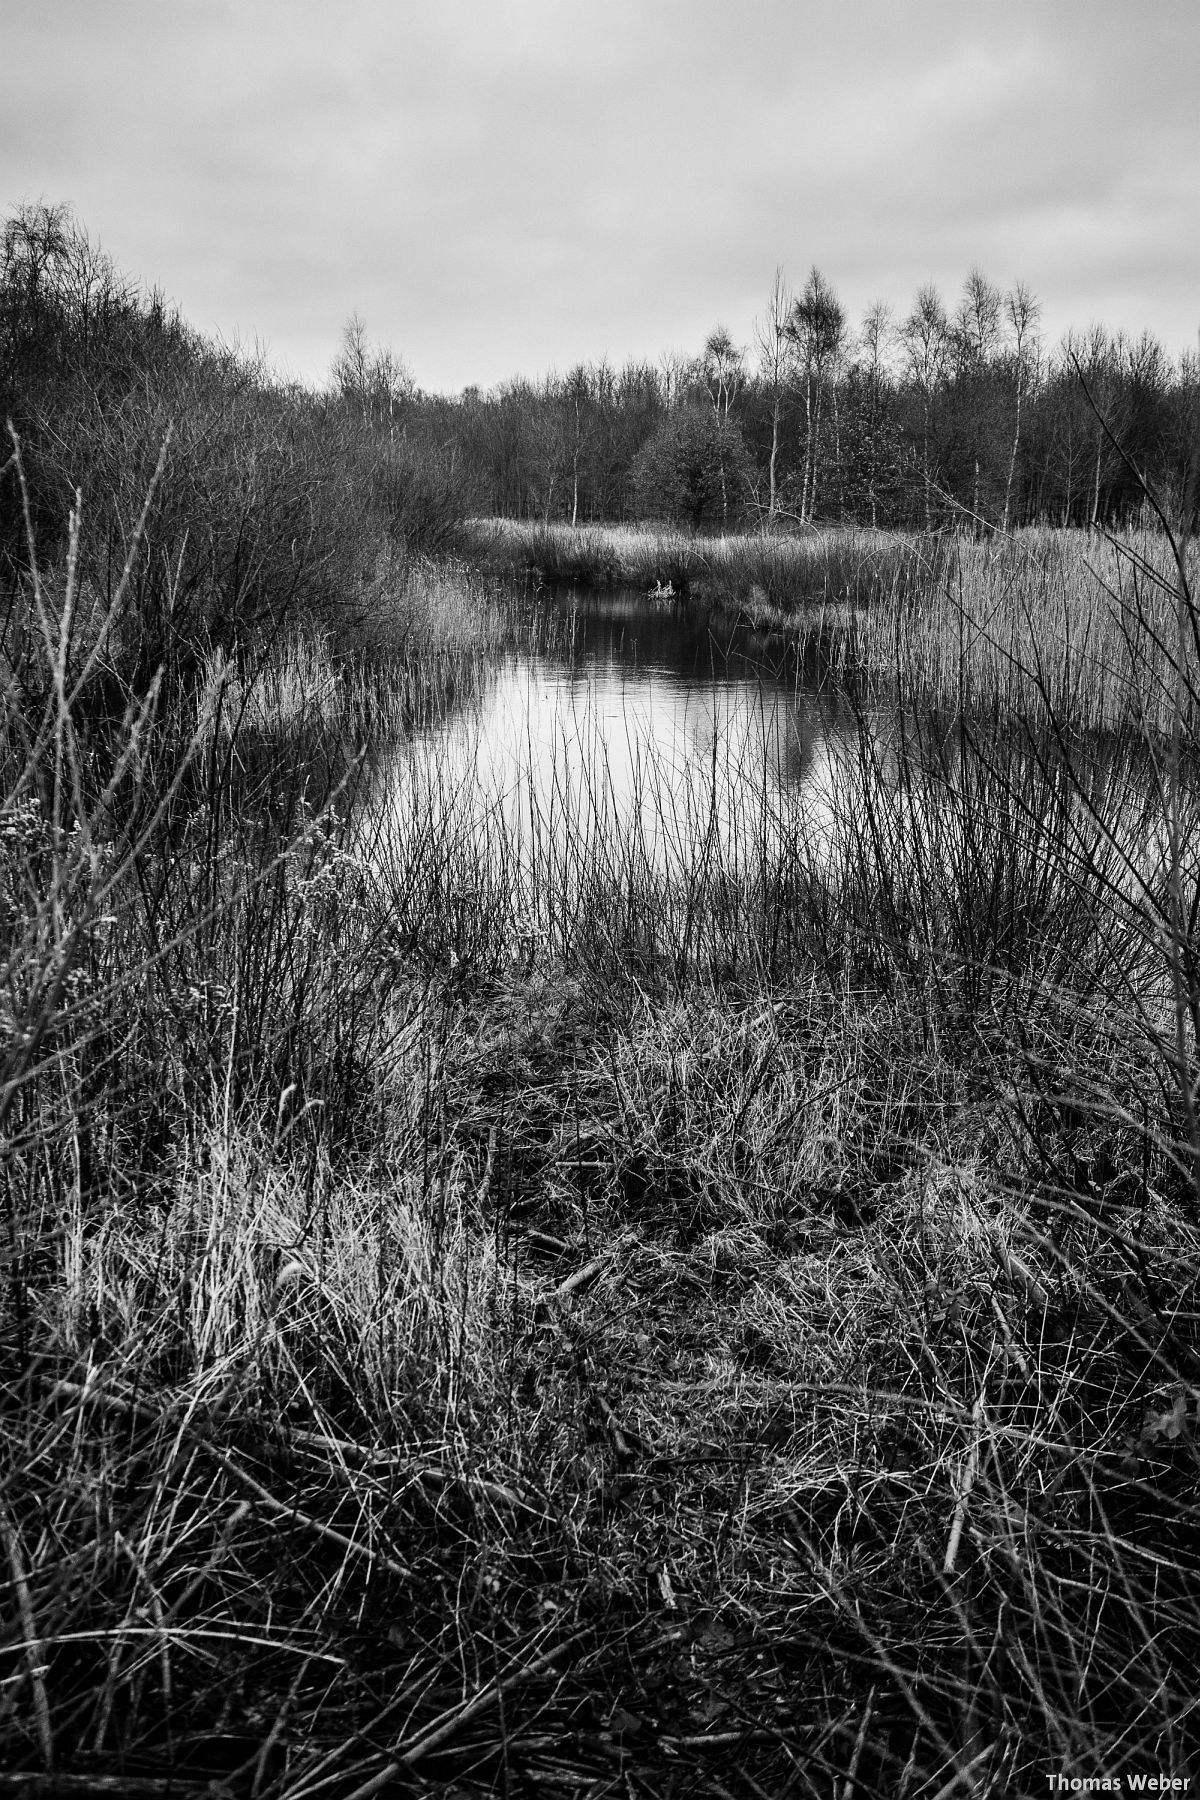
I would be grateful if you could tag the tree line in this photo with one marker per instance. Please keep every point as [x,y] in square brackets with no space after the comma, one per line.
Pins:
[270,498]
[946,413]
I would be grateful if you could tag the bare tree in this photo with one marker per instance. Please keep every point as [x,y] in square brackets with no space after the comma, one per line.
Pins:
[373,379]
[976,336]
[776,361]
[817,328]
[925,335]
[978,321]
[1022,311]
[578,393]
[722,369]
[676,369]
[874,339]
[37,239]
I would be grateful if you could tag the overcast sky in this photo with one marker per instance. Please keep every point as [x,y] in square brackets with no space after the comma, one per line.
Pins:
[510,186]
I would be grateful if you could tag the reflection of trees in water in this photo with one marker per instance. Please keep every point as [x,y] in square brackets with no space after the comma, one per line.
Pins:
[626,708]
[627,629]
[1018,786]
[749,727]
[727,702]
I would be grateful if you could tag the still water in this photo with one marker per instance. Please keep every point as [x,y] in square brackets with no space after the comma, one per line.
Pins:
[632,757]
[632,731]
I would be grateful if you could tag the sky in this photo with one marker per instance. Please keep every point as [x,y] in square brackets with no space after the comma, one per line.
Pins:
[509,187]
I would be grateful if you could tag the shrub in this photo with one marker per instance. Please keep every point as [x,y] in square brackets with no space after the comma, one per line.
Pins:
[694,470]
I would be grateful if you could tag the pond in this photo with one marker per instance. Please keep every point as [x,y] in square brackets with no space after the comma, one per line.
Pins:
[629,730]
[636,771]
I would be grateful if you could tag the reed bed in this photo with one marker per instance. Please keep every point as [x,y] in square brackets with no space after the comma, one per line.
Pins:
[1067,626]
[761,569]
[1081,633]
[584,1309]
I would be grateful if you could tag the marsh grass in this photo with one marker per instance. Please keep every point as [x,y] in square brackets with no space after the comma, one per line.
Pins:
[761,570]
[488,1313]
[1065,626]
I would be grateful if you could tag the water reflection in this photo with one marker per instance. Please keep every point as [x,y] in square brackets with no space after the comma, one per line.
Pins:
[633,759]
[630,724]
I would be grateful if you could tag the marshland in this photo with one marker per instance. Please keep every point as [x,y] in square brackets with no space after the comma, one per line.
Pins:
[598,1067]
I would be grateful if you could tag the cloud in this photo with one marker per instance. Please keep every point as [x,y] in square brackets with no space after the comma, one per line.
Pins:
[499,187]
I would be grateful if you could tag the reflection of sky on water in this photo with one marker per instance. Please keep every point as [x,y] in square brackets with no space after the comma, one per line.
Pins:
[631,747]
[632,723]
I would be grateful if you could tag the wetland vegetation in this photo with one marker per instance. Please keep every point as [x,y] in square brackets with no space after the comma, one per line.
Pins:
[674,1268]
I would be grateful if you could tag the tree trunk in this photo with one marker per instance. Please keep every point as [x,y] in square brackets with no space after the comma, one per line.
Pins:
[774,454]
[575,470]
[812,492]
[807,449]
[837,437]
[1012,461]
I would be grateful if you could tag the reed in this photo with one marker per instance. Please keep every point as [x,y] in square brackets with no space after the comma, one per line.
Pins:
[760,570]
[666,1284]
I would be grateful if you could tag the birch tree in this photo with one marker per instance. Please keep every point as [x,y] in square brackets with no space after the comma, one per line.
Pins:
[817,328]
[925,336]
[722,367]
[976,338]
[777,364]
[874,341]
[1022,312]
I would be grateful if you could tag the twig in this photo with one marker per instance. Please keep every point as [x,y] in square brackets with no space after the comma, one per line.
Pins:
[966,1483]
[860,1740]
[33,1648]
[719,1740]
[582,1278]
[497,1491]
[123,1787]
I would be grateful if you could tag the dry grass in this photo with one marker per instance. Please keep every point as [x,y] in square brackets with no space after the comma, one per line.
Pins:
[672,1363]
[760,570]
[585,1325]
[1050,625]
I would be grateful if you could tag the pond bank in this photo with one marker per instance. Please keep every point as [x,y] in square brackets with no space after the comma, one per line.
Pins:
[758,569]
[544,1320]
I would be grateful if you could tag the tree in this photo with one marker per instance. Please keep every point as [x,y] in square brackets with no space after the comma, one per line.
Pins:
[372,379]
[874,341]
[925,335]
[816,327]
[722,369]
[680,471]
[975,337]
[1022,311]
[776,362]
[977,322]
[577,394]
[676,371]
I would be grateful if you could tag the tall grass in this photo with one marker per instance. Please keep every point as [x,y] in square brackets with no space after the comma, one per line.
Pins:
[1070,626]
[642,1299]
[760,570]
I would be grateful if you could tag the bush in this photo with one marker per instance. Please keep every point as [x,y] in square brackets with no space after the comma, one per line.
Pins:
[695,470]
[269,499]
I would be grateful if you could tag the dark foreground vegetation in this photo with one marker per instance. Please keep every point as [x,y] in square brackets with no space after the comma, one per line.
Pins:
[570,1324]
